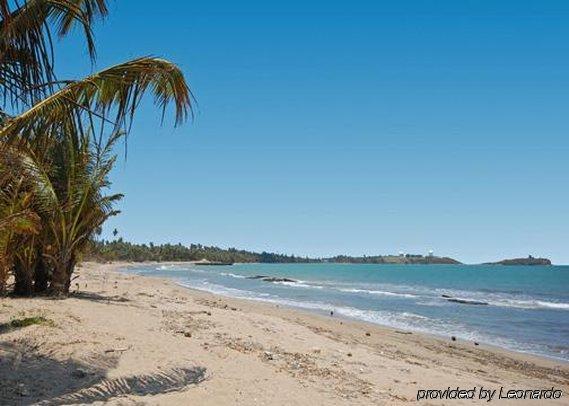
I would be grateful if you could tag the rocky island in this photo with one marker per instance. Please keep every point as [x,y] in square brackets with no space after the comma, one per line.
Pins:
[522,261]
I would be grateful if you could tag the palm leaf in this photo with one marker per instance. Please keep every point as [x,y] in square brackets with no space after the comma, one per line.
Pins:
[24,222]
[26,49]
[112,95]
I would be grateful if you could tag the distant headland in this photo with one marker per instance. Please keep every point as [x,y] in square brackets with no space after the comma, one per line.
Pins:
[410,259]
[522,261]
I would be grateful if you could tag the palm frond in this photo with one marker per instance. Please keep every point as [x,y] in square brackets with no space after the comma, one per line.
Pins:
[112,95]
[23,222]
[26,48]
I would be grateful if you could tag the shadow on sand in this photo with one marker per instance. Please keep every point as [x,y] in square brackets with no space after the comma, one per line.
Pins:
[28,378]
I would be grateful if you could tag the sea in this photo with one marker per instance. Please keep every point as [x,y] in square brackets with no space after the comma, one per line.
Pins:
[521,308]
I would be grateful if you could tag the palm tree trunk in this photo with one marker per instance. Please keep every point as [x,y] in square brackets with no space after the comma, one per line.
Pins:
[58,282]
[4,271]
[70,269]
[24,280]
[41,277]
[61,278]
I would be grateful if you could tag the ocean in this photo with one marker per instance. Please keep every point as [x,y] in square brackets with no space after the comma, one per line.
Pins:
[525,308]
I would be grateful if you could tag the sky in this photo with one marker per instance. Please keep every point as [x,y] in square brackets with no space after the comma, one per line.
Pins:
[358,127]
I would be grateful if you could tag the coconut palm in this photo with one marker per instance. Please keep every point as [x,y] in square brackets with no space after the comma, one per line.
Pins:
[56,137]
[17,221]
[71,203]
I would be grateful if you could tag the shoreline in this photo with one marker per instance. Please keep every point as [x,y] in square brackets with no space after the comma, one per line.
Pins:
[347,319]
[323,313]
[119,331]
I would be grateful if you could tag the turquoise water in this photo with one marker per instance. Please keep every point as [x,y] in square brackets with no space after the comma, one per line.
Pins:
[527,308]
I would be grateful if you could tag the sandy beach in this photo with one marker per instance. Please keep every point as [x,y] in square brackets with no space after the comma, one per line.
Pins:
[126,339]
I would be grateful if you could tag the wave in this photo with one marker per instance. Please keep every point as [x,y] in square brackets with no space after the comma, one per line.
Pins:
[169,268]
[218,289]
[553,305]
[366,315]
[502,299]
[421,292]
[378,292]
[425,295]
[530,304]
[300,284]
[233,275]
[177,268]
[402,320]
[331,285]
[405,321]
[296,284]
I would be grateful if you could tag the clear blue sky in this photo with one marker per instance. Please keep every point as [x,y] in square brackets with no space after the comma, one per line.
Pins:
[350,127]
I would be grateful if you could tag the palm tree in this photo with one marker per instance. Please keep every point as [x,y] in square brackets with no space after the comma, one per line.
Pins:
[17,221]
[56,140]
[70,201]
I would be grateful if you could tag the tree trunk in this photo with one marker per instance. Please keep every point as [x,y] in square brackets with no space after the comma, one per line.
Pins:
[41,277]
[4,271]
[70,269]
[24,281]
[58,282]
[61,278]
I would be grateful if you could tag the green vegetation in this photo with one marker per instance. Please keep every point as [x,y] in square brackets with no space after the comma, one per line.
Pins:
[25,322]
[522,261]
[411,259]
[29,321]
[57,138]
[120,250]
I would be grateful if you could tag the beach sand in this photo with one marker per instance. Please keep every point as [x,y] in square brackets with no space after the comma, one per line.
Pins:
[132,340]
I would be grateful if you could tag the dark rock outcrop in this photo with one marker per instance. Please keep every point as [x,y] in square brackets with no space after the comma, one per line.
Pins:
[266,278]
[466,301]
[272,279]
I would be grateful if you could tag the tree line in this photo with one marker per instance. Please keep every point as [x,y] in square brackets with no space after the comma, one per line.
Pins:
[120,250]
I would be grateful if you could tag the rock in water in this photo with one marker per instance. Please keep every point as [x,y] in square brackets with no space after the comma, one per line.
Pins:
[273,279]
[466,301]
